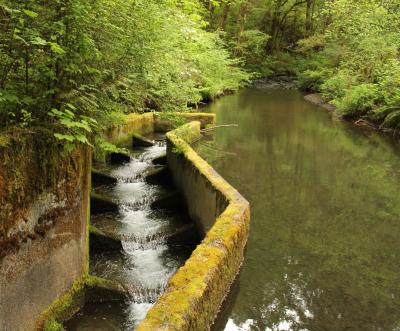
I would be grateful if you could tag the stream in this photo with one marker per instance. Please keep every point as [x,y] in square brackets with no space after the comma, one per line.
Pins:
[324,247]
[146,260]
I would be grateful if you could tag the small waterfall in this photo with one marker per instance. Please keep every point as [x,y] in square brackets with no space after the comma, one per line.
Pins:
[146,261]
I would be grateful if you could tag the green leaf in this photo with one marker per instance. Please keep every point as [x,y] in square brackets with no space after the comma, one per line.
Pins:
[30,13]
[66,137]
[71,106]
[38,41]
[69,113]
[81,138]
[56,48]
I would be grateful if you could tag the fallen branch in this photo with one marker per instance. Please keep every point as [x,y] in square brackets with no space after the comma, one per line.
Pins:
[219,126]
[362,122]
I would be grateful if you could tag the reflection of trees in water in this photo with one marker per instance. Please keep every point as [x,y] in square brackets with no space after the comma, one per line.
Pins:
[324,252]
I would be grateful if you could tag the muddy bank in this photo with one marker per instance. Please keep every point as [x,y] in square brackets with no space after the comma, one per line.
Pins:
[318,100]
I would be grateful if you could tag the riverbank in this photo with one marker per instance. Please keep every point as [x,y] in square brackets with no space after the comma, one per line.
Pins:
[318,100]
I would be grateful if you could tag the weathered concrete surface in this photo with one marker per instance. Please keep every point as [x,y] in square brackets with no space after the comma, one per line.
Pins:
[153,122]
[44,199]
[99,178]
[195,293]
[132,123]
[159,176]
[101,241]
[140,141]
[100,204]
[167,122]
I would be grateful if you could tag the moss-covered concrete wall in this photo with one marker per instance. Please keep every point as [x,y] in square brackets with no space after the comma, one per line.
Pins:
[164,122]
[153,122]
[132,123]
[44,199]
[195,293]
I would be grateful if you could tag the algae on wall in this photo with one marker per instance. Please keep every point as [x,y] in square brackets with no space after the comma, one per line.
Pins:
[195,293]
[44,198]
[35,172]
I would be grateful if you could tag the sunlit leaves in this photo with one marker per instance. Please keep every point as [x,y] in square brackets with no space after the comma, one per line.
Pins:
[70,65]
[30,13]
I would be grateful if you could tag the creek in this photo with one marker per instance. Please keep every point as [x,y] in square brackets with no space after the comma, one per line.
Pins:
[323,252]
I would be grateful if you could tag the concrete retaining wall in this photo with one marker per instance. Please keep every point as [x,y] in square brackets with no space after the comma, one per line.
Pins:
[164,122]
[44,209]
[132,123]
[153,122]
[197,290]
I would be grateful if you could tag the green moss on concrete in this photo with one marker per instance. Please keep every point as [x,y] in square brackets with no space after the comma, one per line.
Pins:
[195,293]
[73,300]
[132,123]
[163,122]
[53,325]
[33,163]
[65,306]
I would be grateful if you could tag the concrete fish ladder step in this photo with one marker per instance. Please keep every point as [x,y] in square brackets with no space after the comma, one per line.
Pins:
[159,176]
[160,160]
[170,202]
[99,178]
[101,241]
[119,158]
[140,141]
[100,204]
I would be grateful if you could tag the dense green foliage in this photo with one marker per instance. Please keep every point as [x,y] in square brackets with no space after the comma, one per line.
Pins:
[75,64]
[358,66]
[346,49]
[72,64]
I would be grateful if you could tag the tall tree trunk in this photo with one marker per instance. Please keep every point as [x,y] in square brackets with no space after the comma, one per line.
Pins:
[241,18]
[310,5]
[275,26]
[240,22]
[225,15]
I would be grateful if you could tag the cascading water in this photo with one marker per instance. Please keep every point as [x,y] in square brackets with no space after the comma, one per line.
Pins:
[146,261]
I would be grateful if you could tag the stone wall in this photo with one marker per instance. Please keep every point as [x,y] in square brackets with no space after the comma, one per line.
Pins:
[44,199]
[196,292]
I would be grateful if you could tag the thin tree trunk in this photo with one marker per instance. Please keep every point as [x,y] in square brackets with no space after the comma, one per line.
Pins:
[225,16]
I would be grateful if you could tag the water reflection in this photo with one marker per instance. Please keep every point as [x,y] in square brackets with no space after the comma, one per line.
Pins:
[324,247]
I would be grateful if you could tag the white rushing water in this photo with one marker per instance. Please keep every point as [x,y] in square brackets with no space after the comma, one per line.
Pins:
[146,265]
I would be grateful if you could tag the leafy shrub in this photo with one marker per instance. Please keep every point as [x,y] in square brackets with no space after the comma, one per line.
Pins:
[357,101]
[75,63]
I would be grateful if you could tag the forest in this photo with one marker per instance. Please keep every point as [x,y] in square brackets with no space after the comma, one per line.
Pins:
[76,64]
[162,166]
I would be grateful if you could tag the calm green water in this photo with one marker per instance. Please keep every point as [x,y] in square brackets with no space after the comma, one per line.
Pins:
[324,248]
